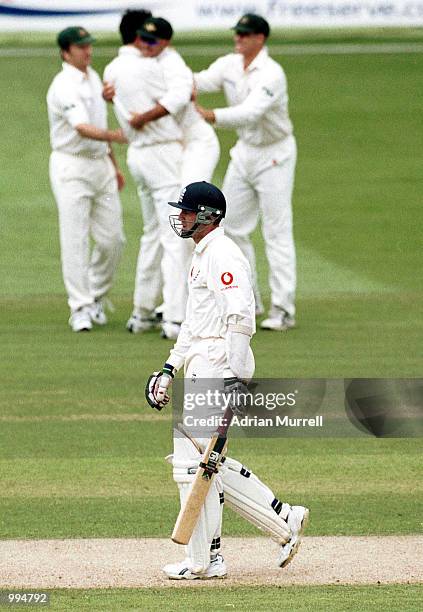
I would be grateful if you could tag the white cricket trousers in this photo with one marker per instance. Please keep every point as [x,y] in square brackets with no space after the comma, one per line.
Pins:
[205,365]
[88,203]
[234,483]
[156,170]
[259,182]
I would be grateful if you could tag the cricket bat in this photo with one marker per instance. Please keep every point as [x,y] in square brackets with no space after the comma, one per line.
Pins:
[190,512]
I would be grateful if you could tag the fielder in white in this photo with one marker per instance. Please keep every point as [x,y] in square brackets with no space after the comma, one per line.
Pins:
[200,146]
[155,162]
[85,180]
[260,175]
[214,343]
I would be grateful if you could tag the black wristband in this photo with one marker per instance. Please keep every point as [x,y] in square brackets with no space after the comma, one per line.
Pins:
[169,369]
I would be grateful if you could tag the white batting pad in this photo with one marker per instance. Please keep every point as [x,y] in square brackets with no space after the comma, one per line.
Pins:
[254,501]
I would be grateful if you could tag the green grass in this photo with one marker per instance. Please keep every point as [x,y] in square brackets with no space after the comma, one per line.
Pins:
[80,453]
[99,478]
[213,37]
[389,598]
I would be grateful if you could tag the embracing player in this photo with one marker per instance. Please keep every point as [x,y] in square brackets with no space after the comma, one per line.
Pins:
[260,176]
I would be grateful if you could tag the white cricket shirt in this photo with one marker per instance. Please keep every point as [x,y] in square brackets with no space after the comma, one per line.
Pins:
[139,86]
[219,285]
[257,97]
[74,98]
[179,83]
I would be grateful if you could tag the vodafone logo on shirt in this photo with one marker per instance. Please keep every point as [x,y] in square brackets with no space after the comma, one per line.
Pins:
[227,278]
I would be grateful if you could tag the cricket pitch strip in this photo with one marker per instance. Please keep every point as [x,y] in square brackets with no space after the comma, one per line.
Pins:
[107,563]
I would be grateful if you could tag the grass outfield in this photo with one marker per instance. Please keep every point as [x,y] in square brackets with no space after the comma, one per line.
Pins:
[279,35]
[81,455]
[392,598]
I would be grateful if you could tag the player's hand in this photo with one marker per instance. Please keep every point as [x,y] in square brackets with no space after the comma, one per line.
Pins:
[117,136]
[156,389]
[238,392]
[206,113]
[137,121]
[108,91]
[120,180]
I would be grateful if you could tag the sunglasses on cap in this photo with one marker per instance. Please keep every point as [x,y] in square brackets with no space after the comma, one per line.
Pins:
[244,34]
[151,42]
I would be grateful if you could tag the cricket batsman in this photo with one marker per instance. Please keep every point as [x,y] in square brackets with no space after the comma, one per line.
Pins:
[214,343]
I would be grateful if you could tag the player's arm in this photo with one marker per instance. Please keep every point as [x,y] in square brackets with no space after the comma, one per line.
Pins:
[211,79]
[93,132]
[238,340]
[178,81]
[231,284]
[119,175]
[139,120]
[75,113]
[109,90]
[262,97]
[156,390]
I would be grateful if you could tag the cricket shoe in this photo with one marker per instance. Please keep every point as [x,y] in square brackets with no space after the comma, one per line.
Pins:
[80,320]
[182,570]
[98,311]
[170,330]
[297,521]
[138,323]
[278,320]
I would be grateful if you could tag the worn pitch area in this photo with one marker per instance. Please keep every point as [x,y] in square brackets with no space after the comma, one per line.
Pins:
[101,563]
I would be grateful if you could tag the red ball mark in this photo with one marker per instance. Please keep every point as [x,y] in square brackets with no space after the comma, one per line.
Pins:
[227,278]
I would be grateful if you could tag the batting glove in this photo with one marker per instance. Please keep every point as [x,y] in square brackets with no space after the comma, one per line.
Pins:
[238,392]
[157,386]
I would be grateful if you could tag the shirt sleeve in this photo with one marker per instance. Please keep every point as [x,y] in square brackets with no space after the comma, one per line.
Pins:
[180,349]
[71,107]
[256,104]
[230,280]
[108,74]
[179,83]
[211,79]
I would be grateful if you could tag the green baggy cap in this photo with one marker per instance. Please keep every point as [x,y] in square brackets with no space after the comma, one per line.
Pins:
[74,35]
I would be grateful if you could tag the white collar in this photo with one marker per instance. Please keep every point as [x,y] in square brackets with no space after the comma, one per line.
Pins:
[259,60]
[216,233]
[129,50]
[77,74]
[169,50]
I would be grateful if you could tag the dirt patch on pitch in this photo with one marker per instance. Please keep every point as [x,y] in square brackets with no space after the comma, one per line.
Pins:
[101,563]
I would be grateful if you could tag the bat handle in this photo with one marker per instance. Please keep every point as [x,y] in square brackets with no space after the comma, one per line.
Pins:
[222,430]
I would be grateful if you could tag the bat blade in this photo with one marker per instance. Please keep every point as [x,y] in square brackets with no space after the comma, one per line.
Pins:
[188,516]
[190,512]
